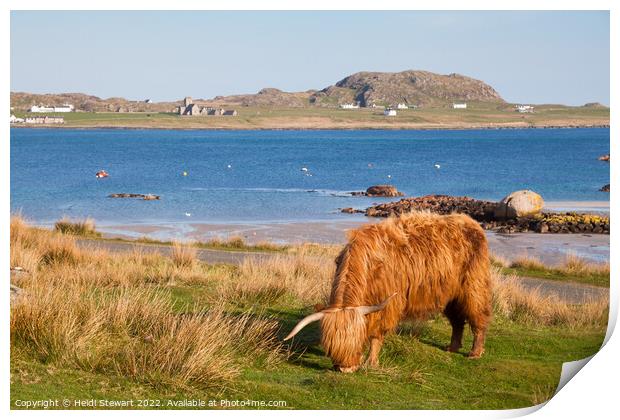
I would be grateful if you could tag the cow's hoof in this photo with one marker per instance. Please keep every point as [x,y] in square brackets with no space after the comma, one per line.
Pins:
[474,354]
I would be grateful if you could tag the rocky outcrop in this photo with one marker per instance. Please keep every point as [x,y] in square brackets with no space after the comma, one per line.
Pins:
[605,188]
[442,204]
[519,204]
[379,191]
[142,196]
[484,212]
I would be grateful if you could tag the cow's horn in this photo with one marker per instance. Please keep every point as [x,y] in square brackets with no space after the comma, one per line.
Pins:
[365,310]
[307,320]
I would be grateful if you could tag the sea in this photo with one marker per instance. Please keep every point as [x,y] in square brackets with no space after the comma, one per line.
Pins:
[266,176]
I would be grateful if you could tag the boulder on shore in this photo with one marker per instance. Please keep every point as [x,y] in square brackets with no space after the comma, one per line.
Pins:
[519,204]
[380,191]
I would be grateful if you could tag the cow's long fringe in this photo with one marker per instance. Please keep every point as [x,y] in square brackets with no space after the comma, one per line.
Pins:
[341,331]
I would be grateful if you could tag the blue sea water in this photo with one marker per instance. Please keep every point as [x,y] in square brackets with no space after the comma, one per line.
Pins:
[53,170]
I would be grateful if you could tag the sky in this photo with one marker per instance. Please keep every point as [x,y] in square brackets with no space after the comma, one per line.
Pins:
[527,56]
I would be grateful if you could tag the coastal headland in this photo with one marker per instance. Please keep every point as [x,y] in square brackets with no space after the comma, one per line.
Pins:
[408,100]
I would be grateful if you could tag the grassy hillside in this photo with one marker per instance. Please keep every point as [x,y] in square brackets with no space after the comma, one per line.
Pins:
[138,327]
[477,115]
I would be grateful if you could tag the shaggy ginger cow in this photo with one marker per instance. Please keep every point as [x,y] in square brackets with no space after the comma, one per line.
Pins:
[407,266]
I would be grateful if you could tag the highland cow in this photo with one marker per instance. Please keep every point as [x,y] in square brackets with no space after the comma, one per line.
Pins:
[414,265]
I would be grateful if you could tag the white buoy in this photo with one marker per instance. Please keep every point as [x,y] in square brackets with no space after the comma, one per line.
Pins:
[437,166]
[390,176]
[229,166]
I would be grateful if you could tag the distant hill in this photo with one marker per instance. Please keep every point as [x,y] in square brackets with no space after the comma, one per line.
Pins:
[23,101]
[595,105]
[412,87]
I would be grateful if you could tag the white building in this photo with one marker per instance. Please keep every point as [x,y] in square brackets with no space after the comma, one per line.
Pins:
[63,108]
[524,108]
[14,119]
[402,106]
[459,106]
[389,112]
[349,106]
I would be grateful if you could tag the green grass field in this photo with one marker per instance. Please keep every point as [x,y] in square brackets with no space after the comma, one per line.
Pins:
[144,327]
[521,368]
[475,116]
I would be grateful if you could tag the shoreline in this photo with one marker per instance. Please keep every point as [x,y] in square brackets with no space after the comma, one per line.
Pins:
[550,248]
[334,128]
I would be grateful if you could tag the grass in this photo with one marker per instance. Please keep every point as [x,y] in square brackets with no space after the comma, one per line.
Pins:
[84,227]
[183,255]
[142,326]
[234,243]
[572,269]
[475,116]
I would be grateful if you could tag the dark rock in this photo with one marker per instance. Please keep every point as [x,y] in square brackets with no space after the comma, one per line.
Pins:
[383,191]
[350,210]
[142,196]
[379,191]
[605,188]
[479,210]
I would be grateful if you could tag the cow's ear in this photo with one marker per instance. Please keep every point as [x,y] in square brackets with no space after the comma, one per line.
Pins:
[318,307]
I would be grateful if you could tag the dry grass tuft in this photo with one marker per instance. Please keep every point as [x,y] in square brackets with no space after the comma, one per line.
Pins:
[264,281]
[84,227]
[499,261]
[319,250]
[572,265]
[529,263]
[98,312]
[134,332]
[579,266]
[512,301]
[31,247]
[184,255]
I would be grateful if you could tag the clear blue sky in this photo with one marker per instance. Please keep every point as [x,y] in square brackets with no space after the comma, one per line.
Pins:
[537,57]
